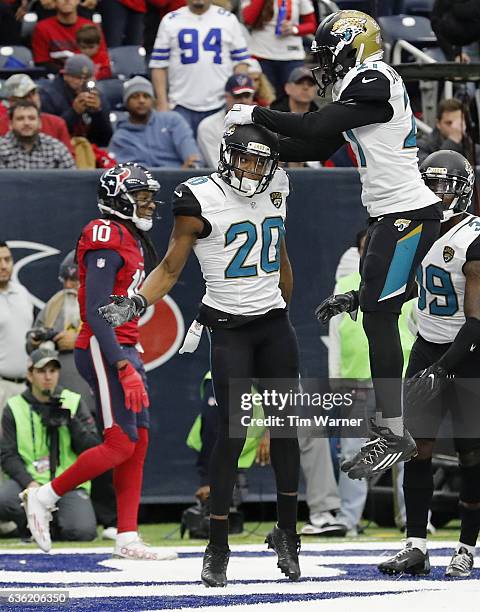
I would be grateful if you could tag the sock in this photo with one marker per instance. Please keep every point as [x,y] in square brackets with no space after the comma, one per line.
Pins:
[125,538]
[219,532]
[418,490]
[470,525]
[420,543]
[127,482]
[287,511]
[395,424]
[470,549]
[115,449]
[47,495]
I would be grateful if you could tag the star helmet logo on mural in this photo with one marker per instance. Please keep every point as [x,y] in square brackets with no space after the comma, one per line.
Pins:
[114,179]
[348,28]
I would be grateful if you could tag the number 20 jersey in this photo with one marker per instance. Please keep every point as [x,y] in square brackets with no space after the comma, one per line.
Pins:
[240,256]
[102,234]
[441,281]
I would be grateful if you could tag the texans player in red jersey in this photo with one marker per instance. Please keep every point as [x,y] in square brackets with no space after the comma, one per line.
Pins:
[112,252]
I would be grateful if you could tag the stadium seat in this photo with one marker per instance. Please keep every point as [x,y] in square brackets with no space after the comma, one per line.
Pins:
[128,61]
[415,30]
[29,22]
[16,57]
[117,116]
[418,7]
[112,89]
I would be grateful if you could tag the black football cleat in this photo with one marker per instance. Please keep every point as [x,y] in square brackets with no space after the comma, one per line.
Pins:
[286,544]
[215,561]
[409,560]
[461,564]
[380,453]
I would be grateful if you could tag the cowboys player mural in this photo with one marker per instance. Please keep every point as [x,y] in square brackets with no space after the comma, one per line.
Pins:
[234,220]
[371,111]
[448,344]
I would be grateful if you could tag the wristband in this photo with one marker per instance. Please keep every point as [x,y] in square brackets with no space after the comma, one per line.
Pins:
[295,30]
[141,303]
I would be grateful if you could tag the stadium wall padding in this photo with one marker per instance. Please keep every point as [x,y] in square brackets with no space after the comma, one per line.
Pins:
[44,212]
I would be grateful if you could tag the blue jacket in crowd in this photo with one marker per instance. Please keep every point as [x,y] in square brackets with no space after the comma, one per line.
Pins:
[164,142]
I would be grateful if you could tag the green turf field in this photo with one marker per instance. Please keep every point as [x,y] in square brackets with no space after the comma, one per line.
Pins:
[168,534]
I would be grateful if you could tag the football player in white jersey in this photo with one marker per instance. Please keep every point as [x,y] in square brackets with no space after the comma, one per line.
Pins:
[234,221]
[371,111]
[448,344]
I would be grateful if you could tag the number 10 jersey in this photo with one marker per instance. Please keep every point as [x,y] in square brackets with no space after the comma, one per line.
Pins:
[441,281]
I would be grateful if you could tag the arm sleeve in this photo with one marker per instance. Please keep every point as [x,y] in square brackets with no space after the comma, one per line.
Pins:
[40,49]
[364,102]
[83,430]
[297,150]
[185,203]
[99,286]
[239,50]
[160,57]
[100,131]
[12,463]
[251,11]
[307,25]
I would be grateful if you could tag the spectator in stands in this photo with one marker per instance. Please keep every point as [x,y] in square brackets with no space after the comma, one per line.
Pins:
[239,89]
[26,148]
[89,40]
[149,137]
[53,39]
[264,93]
[11,15]
[276,42]
[122,21]
[449,133]
[16,318]
[46,8]
[196,52]
[300,90]
[156,11]
[21,87]
[72,95]
[456,24]
[28,439]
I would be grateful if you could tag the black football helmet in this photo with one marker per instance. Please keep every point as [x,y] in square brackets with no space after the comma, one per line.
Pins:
[116,191]
[343,40]
[68,269]
[451,177]
[253,140]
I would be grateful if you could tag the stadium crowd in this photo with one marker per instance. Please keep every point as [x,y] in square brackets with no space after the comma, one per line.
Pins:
[89,86]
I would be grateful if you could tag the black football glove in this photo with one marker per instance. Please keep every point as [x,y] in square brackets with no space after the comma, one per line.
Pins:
[123,309]
[425,385]
[336,304]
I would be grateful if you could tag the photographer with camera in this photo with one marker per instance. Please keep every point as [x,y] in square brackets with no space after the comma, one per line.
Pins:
[44,429]
[73,95]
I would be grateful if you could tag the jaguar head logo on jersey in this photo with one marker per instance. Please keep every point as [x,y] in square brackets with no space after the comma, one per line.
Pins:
[276,198]
[119,194]
[248,158]
[343,40]
[402,224]
[448,254]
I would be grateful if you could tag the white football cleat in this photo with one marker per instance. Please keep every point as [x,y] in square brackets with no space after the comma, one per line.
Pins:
[137,550]
[38,518]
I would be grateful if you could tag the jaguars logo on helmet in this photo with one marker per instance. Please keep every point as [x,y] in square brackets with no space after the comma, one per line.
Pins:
[343,40]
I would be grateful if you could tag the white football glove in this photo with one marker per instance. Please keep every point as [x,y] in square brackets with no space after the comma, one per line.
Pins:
[241,114]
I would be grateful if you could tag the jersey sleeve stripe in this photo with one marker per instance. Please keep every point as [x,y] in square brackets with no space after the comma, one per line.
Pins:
[238,58]
[242,50]
[161,50]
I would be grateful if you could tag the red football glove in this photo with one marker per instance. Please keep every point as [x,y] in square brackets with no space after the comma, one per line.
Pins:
[136,397]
